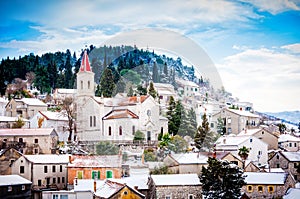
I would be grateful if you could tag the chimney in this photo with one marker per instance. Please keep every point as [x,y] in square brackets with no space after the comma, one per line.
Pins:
[95,183]
[136,187]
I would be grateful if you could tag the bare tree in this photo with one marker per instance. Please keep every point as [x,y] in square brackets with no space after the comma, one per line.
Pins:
[68,109]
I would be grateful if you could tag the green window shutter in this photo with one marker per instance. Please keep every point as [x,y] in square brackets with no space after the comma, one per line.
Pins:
[108,174]
[79,174]
[99,175]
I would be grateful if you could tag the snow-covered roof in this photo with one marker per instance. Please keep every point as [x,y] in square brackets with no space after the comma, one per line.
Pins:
[6,180]
[123,101]
[32,102]
[176,179]
[139,181]
[288,138]
[249,131]
[164,89]
[108,188]
[276,170]
[66,91]
[243,113]
[232,140]
[50,115]
[96,161]
[27,132]
[291,156]
[190,158]
[2,100]
[292,193]
[268,178]
[47,159]
[187,83]
[11,119]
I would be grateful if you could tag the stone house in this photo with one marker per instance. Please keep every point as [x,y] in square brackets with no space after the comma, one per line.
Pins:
[14,186]
[288,161]
[115,119]
[175,186]
[264,135]
[193,162]
[164,91]
[30,141]
[258,149]
[44,171]
[94,167]
[267,184]
[8,122]
[25,107]
[7,157]
[48,119]
[236,121]
[289,142]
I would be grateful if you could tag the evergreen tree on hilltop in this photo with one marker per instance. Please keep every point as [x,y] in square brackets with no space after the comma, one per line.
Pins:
[155,76]
[178,119]
[107,84]
[221,179]
[191,126]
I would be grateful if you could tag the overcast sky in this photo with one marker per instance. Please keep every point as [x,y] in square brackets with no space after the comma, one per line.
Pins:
[254,44]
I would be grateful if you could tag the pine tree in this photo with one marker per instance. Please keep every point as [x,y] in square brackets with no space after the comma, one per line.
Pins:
[191,123]
[152,91]
[107,83]
[177,117]
[130,92]
[155,77]
[222,180]
[170,113]
[201,133]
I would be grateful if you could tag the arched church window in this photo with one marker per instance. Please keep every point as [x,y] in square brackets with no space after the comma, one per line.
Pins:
[91,121]
[109,130]
[81,85]
[120,130]
[94,120]
[89,84]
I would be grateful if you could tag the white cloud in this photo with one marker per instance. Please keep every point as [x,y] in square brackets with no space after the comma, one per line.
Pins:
[268,78]
[294,48]
[275,6]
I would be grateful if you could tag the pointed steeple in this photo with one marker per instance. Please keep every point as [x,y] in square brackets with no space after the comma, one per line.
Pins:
[85,64]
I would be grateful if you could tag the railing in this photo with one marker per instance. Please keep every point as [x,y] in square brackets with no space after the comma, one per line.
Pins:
[12,144]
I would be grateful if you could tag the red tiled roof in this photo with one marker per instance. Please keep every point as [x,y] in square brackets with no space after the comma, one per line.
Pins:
[121,113]
[85,64]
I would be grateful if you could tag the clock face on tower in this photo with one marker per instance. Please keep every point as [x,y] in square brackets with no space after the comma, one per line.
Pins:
[149,112]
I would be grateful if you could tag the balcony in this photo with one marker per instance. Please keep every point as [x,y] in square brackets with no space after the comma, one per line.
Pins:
[12,144]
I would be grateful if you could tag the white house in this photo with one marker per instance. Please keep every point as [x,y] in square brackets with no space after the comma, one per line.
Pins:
[3,102]
[115,119]
[258,149]
[188,88]
[49,119]
[164,91]
[60,94]
[289,142]
[43,170]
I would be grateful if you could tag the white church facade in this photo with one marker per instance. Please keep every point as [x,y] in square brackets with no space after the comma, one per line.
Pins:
[113,119]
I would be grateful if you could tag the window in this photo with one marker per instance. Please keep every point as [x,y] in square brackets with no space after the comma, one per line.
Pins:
[21,140]
[229,130]
[250,188]
[55,196]
[22,169]
[91,121]
[36,141]
[36,151]
[262,132]
[290,144]
[133,130]
[260,188]
[80,174]
[229,120]
[251,140]
[54,180]
[109,174]
[191,196]
[296,177]
[168,197]
[62,179]
[196,89]
[94,121]
[81,85]
[277,157]
[96,175]
[295,165]
[39,182]
[53,168]
[58,180]
[109,130]
[120,130]
[60,168]
[149,112]
[295,144]
[63,196]
[23,187]
[211,125]
[270,189]
[9,188]
[89,84]
[45,169]
[278,165]
[259,152]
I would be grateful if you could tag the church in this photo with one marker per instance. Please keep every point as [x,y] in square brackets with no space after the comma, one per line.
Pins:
[113,119]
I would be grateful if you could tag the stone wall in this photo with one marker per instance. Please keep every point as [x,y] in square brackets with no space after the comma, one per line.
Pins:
[178,192]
